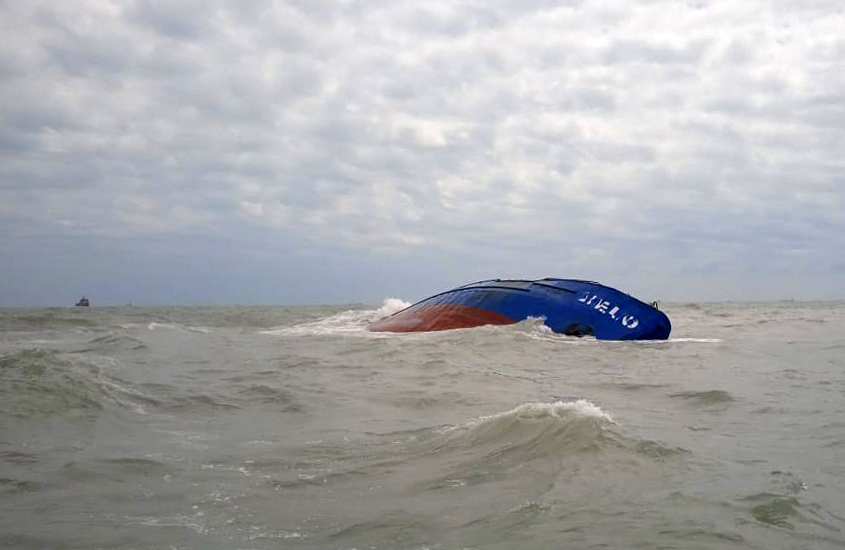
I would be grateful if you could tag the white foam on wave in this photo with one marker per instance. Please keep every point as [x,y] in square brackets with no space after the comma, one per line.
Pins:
[558,409]
[537,329]
[169,326]
[540,411]
[389,307]
[353,321]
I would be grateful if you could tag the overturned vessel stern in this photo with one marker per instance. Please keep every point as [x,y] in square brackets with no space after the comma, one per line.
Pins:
[568,306]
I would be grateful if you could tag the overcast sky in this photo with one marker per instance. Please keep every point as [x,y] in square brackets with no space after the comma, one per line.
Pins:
[316,151]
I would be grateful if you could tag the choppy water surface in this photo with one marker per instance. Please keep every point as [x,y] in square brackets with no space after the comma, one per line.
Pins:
[257,428]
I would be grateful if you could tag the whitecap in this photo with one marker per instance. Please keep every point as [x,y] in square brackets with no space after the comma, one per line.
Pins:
[558,409]
[538,411]
[354,321]
[168,326]
[389,307]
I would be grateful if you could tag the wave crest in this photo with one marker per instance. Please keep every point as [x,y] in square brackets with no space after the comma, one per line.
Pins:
[558,409]
[353,321]
[35,383]
[534,430]
[551,437]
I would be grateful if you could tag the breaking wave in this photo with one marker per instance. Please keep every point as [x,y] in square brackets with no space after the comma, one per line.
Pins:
[175,326]
[556,410]
[532,430]
[546,439]
[540,431]
[353,321]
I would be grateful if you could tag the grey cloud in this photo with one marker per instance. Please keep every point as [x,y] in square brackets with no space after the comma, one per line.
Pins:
[184,20]
[631,51]
[450,23]
[567,137]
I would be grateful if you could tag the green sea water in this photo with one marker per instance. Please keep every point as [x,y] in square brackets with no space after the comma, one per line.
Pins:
[294,427]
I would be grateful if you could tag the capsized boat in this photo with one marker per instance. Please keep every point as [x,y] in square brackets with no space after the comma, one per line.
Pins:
[568,306]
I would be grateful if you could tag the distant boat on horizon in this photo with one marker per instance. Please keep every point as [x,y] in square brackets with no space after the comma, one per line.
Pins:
[83,302]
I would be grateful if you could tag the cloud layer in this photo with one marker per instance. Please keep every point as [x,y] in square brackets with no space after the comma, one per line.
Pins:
[685,149]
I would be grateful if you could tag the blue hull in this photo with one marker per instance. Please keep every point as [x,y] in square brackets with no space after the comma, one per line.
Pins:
[568,306]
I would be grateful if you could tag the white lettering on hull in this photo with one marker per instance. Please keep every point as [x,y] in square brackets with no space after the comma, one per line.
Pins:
[606,308]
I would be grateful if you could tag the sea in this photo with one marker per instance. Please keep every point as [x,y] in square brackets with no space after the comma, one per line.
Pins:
[296,428]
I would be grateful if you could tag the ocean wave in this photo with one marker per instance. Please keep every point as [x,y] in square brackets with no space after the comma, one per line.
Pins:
[631,386]
[555,437]
[13,486]
[542,430]
[53,318]
[198,401]
[787,510]
[533,430]
[705,397]
[350,322]
[193,523]
[556,410]
[41,383]
[277,398]
[117,469]
[36,382]
[173,326]
[112,341]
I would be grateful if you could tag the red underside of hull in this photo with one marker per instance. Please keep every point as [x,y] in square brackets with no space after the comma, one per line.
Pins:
[439,317]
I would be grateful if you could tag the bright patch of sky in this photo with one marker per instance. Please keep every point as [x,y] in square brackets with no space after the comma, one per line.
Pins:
[309,151]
